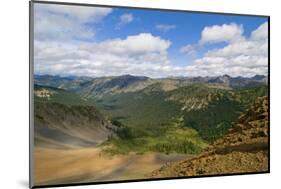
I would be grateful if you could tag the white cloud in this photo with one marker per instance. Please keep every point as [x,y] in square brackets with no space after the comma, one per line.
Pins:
[240,57]
[242,65]
[222,33]
[248,47]
[56,50]
[190,50]
[261,33]
[124,19]
[165,27]
[63,22]
[142,54]
[137,44]
[83,13]
[56,26]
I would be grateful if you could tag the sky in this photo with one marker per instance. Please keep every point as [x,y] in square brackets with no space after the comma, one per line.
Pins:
[96,41]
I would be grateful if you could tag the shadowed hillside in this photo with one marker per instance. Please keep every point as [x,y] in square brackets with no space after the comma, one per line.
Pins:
[64,124]
[243,149]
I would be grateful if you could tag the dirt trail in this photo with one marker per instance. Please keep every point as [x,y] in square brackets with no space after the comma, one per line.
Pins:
[57,166]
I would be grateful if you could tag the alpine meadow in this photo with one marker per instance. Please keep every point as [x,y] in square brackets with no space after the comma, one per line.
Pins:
[127,94]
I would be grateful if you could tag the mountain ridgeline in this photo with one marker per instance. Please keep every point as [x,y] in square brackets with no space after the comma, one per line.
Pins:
[128,113]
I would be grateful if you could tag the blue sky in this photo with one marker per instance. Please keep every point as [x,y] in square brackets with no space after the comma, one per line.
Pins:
[188,27]
[102,41]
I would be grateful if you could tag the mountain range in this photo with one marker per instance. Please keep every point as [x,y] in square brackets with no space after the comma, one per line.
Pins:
[198,117]
[92,87]
[206,104]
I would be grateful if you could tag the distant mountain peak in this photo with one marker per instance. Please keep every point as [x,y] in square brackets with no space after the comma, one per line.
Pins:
[258,77]
[128,76]
[227,76]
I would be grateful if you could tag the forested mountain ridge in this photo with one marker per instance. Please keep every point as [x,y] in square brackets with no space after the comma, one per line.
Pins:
[244,148]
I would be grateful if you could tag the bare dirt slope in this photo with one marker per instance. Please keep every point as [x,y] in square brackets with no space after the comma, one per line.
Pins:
[57,166]
[60,126]
[243,149]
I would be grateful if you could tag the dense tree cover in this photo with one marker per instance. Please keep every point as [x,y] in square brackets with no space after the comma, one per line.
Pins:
[169,138]
[149,118]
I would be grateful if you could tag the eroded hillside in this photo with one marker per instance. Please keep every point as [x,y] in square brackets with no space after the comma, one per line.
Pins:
[67,124]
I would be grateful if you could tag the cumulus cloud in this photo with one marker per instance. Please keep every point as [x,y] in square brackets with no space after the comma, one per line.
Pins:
[142,54]
[165,27]
[243,65]
[240,57]
[136,44]
[63,22]
[261,33]
[60,48]
[221,33]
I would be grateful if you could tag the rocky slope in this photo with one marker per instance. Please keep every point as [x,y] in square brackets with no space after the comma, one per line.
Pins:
[243,149]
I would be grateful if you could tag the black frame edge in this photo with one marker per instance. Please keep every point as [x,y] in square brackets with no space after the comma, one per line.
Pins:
[268,85]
